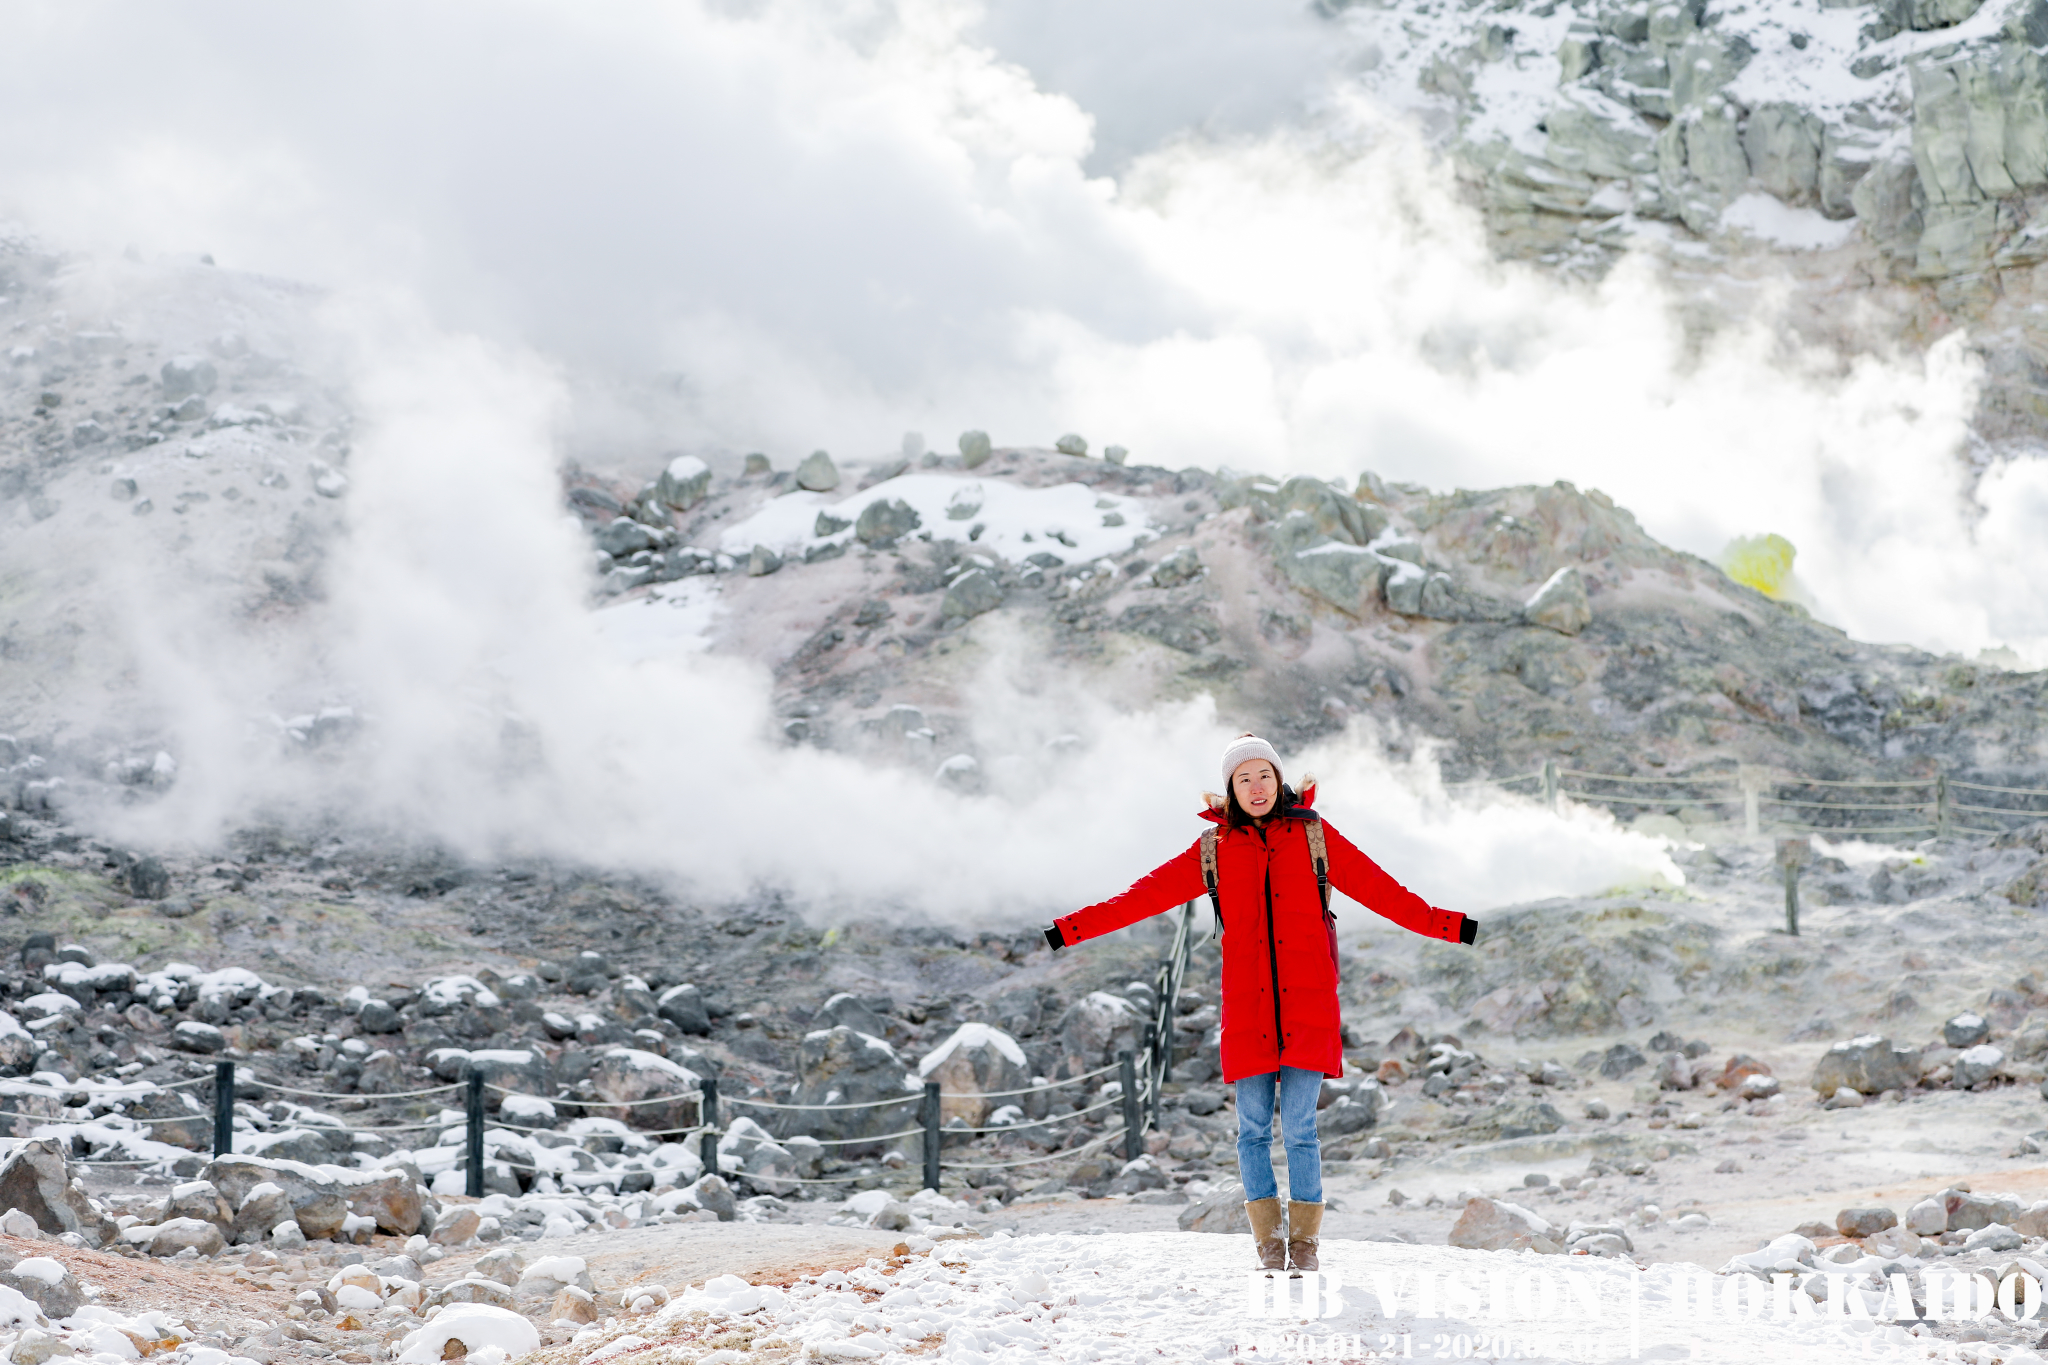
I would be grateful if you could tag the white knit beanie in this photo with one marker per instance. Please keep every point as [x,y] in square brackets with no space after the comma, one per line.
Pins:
[1247,747]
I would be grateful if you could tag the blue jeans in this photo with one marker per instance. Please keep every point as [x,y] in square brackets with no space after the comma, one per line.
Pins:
[1299,1091]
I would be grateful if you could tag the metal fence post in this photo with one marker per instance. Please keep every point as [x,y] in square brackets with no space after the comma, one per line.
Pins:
[1941,815]
[1134,1132]
[223,1108]
[1551,785]
[473,1097]
[1152,1074]
[707,1105]
[932,1136]
[1792,855]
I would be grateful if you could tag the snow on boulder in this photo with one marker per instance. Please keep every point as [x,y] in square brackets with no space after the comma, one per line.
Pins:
[1095,1028]
[976,1061]
[626,1078]
[548,1276]
[684,484]
[477,1326]
[1496,1225]
[17,1309]
[841,1066]
[511,1068]
[45,1282]
[446,994]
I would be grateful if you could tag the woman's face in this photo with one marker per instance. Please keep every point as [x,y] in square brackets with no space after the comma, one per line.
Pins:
[1256,786]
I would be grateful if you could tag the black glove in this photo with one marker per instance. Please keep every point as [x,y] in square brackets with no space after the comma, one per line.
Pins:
[1468,930]
[1054,939]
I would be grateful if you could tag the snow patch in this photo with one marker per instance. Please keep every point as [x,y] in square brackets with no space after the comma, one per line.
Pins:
[1772,220]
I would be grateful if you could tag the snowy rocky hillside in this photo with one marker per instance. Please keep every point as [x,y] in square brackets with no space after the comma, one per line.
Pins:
[1516,625]
[1889,156]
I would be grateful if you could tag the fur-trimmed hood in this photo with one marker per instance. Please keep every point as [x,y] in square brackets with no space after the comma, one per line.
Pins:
[1215,808]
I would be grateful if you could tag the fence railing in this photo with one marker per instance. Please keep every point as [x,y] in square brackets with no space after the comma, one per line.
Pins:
[1140,1075]
[1772,802]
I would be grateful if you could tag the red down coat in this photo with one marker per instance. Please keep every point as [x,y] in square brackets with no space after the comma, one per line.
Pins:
[1279,951]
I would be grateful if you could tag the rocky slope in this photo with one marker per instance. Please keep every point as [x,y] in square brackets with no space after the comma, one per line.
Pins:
[1891,158]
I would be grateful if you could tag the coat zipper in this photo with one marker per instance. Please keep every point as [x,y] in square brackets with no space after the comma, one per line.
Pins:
[1272,954]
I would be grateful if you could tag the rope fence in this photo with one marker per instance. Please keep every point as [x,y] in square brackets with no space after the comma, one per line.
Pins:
[1788,803]
[1140,1075]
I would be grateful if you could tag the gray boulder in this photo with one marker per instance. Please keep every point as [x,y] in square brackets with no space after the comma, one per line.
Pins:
[1094,1029]
[519,1070]
[1869,1065]
[624,536]
[1182,566]
[196,1199]
[847,1008]
[147,879]
[1348,577]
[175,1117]
[974,1061]
[264,1207]
[1968,1212]
[1976,1065]
[187,374]
[762,561]
[1334,513]
[1071,444]
[885,521]
[683,1006]
[711,1192]
[36,1179]
[970,595]
[1220,1210]
[1965,1030]
[1619,1060]
[629,1078]
[58,1295]
[840,1065]
[817,473]
[1496,1225]
[1349,1113]
[1865,1222]
[1513,1119]
[193,1036]
[180,1234]
[1560,604]
[317,1201]
[974,448]
[684,483]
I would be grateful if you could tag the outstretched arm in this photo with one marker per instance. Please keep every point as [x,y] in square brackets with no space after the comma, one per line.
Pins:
[1166,886]
[1362,879]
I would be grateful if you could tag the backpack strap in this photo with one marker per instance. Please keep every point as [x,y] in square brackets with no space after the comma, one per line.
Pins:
[1209,877]
[1319,854]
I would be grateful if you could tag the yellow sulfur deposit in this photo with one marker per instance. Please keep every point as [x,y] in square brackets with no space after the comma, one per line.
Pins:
[1761,562]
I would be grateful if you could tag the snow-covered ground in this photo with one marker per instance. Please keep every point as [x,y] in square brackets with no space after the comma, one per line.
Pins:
[1117,1297]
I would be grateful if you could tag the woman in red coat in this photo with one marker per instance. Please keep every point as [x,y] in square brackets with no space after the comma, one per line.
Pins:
[1282,1029]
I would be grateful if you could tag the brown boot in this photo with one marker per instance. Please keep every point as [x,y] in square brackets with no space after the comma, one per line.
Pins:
[1265,1216]
[1304,1226]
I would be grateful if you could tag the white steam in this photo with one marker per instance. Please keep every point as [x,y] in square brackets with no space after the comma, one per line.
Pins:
[823,224]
